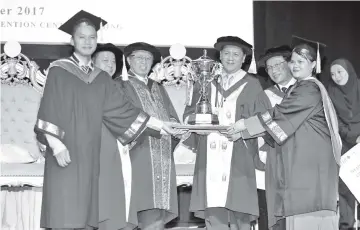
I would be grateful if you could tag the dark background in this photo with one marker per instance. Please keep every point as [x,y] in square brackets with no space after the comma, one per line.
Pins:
[336,24]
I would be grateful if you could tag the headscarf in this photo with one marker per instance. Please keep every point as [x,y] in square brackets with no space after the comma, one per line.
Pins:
[346,98]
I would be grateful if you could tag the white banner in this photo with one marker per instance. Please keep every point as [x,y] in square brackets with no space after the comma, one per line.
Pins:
[350,170]
[159,22]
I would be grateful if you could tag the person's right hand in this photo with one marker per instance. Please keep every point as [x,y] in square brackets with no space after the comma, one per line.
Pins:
[63,158]
[60,152]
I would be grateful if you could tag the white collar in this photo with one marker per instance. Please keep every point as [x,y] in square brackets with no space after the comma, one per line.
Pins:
[290,83]
[90,64]
[239,73]
[143,79]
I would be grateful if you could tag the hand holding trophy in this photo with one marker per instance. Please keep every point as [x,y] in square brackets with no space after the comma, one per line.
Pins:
[202,71]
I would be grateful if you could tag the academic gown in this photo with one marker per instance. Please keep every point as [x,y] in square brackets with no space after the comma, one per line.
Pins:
[305,170]
[153,167]
[114,185]
[224,173]
[73,108]
[115,181]
[264,101]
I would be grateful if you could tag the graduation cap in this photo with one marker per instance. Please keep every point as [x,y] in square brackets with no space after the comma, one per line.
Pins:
[236,41]
[80,17]
[116,51]
[128,50]
[283,50]
[311,50]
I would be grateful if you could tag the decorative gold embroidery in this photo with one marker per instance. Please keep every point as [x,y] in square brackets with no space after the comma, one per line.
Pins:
[266,117]
[274,127]
[134,128]
[160,150]
[50,128]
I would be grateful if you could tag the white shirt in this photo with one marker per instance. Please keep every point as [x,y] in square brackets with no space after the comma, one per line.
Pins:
[90,64]
[143,79]
[290,83]
[230,79]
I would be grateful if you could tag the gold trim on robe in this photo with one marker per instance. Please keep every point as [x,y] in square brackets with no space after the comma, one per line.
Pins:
[274,127]
[50,128]
[134,128]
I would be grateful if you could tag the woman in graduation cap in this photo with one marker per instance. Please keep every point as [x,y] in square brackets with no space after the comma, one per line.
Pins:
[344,90]
[154,192]
[78,98]
[304,127]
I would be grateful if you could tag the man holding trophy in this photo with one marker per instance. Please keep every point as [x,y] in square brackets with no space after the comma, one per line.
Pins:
[224,187]
[154,194]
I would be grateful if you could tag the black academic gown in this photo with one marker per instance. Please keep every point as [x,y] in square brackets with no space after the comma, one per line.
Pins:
[267,99]
[73,108]
[229,183]
[306,176]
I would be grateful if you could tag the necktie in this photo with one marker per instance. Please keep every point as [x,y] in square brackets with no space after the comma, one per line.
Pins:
[227,81]
[284,89]
[85,69]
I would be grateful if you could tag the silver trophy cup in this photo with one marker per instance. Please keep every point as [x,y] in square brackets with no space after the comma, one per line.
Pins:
[204,71]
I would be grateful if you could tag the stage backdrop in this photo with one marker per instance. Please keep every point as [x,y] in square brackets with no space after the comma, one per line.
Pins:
[159,22]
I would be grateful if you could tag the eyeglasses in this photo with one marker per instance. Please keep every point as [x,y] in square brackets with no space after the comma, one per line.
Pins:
[276,66]
[140,58]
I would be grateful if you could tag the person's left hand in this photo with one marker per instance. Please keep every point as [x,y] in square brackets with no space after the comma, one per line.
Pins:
[236,127]
[167,127]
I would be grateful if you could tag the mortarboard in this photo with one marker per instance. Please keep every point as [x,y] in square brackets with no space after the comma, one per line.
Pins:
[236,41]
[69,25]
[283,50]
[128,50]
[232,40]
[308,48]
[115,50]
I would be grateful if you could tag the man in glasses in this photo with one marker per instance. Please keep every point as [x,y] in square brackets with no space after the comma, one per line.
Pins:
[275,63]
[154,192]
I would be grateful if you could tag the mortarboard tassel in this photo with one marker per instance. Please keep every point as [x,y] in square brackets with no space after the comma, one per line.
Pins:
[252,68]
[101,31]
[318,60]
[124,73]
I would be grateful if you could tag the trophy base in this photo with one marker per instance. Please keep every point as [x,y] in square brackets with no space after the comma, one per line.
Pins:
[200,119]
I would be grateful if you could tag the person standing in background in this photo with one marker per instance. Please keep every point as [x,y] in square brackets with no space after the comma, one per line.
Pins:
[344,91]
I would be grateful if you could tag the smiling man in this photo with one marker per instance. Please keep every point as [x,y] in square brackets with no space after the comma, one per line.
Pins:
[78,99]
[154,192]
[275,62]
[224,188]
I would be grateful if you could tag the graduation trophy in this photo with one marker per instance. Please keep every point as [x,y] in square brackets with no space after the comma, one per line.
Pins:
[204,71]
